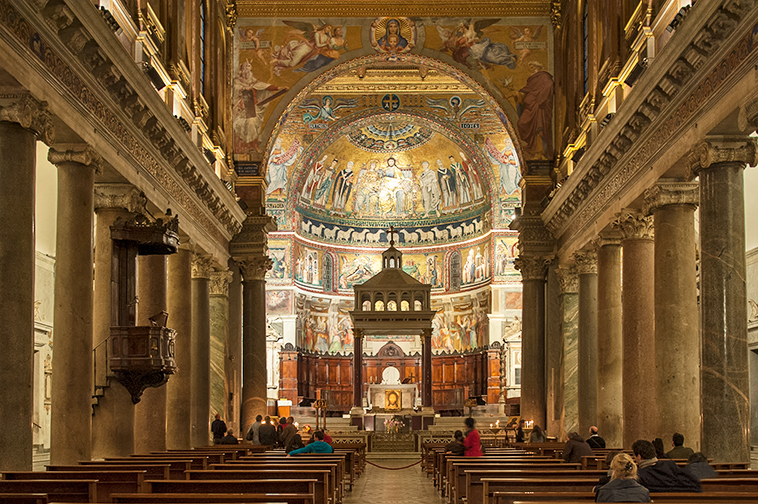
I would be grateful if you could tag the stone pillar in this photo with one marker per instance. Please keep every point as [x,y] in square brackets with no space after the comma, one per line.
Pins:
[677,352]
[254,376]
[113,414]
[219,310]
[150,412]
[71,411]
[357,369]
[609,342]
[200,356]
[586,268]
[179,386]
[569,286]
[426,349]
[21,119]
[233,369]
[554,354]
[638,318]
[724,377]
[533,391]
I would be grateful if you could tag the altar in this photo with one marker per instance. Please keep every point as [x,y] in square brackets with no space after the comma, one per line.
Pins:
[392,397]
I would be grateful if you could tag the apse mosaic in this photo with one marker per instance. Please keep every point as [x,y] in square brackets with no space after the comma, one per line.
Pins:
[307,265]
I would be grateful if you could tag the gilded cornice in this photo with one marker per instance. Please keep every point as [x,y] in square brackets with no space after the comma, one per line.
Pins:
[371,8]
[391,80]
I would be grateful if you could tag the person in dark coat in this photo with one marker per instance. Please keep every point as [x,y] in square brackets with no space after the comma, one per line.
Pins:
[658,445]
[623,486]
[230,438]
[287,433]
[218,428]
[455,447]
[294,443]
[576,448]
[594,440]
[267,432]
[520,432]
[679,451]
[661,475]
[697,464]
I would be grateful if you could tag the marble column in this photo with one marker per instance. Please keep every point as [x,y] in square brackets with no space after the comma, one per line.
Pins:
[233,368]
[219,311]
[569,287]
[179,385]
[113,414]
[554,354]
[200,357]
[426,362]
[71,413]
[638,319]
[21,119]
[254,376]
[357,369]
[150,412]
[533,392]
[724,379]
[609,340]
[586,269]
[677,342]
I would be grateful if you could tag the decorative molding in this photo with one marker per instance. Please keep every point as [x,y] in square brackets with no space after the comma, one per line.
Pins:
[634,225]
[586,262]
[231,14]
[220,281]
[666,193]
[86,157]
[254,268]
[202,266]
[568,280]
[532,267]
[556,15]
[714,150]
[124,196]
[28,113]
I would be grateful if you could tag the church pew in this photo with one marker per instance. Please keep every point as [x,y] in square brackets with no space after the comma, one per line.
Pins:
[470,483]
[515,458]
[549,448]
[299,486]
[214,498]
[23,498]
[199,460]
[325,493]
[336,470]
[428,455]
[108,482]
[669,498]
[176,467]
[81,490]
[158,471]
[456,463]
[347,458]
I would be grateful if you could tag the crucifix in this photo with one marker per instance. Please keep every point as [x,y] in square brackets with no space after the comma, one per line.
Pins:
[391,232]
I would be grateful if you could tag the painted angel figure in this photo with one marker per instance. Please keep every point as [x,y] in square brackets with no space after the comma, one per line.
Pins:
[454,108]
[316,46]
[525,35]
[325,108]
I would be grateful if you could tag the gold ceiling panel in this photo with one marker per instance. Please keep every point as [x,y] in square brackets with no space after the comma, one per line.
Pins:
[372,8]
[390,80]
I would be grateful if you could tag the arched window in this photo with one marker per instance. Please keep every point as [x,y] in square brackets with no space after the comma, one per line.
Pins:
[585,46]
[379,306]
[366,305]
[404,305]
[203,27]
[391,306]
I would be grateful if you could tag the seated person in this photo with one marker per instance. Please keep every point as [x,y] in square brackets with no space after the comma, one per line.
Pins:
[661,475]
[576,448]
[658,445]
[537,435]
[697,464]
[520,432]
[595,441]
[608,461]
[623,486]
[295,442]
[455,447]
[230,438]
[317,446]
[679,451]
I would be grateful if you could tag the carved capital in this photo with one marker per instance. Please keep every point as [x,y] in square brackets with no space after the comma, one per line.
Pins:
[255,268]
[202,265]
[28,113]
[568,280]
[533,234]
[124,196]
[611,237]
[220,281]
[253,239]
[715,150]
[84,156]
[634,225]
[666,193]
[532,267]
[586,262]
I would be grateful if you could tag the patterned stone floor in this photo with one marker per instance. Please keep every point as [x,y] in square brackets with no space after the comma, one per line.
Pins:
[382,486]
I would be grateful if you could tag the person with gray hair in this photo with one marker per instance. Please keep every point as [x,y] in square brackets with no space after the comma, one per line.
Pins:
[594,440]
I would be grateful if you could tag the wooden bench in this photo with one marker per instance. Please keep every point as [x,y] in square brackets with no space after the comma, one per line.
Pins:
[335,469]
[455,465]
[324,492]
[300,486]
[473,486]
[669,498]
[66,490]
[108,482]
[151,471]
[199,460]
[347,459]
[176,467]
[214,498]
[23,498]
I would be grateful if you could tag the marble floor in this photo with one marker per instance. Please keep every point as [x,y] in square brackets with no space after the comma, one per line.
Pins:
[382,486]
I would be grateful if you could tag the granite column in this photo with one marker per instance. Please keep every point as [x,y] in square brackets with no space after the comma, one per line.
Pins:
[586,268]
[219,316]
[724,385]
[609,340]
[569,288]
[233,367]
[638,318]
[677,349]
[71,413]
[200,357]
[21,120]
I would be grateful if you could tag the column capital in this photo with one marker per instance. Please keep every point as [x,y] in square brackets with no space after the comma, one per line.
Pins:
[220,281]
[533,235]
[533,267]
[568,280]
[124,196]
[586,262]
[426,333]
[722,149]
[253,239]
[254,268]
[29,113]
[608,237]
[671,192]
[83,155]
[634,225]
[202,265]
[357,333]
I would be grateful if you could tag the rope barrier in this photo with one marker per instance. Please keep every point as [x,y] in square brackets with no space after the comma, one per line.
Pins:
[394,468]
